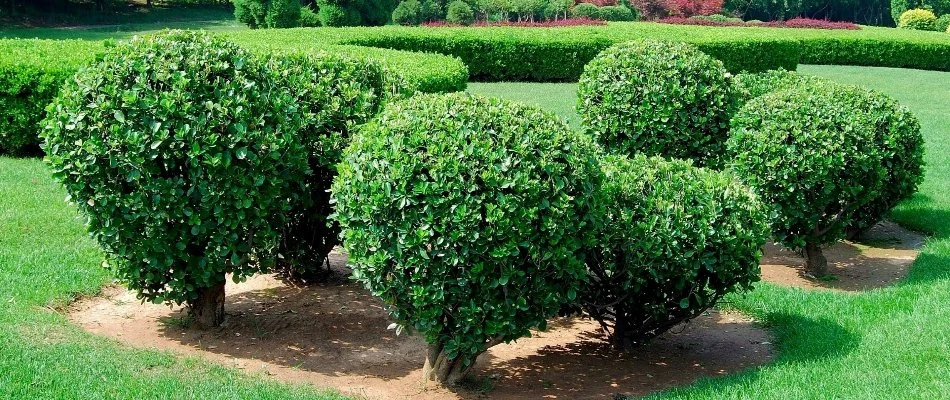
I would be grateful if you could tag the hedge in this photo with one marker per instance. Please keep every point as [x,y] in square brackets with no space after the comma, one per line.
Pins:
[32,71]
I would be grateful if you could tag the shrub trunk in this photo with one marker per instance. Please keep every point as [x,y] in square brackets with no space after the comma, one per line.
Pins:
[815,262]
[207,310]
[439,368]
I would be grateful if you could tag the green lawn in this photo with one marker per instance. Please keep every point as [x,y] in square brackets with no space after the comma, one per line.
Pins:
[891,343]
[887,343]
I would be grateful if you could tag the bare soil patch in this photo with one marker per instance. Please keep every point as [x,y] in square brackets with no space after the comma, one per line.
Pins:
[334,335]
[880,257]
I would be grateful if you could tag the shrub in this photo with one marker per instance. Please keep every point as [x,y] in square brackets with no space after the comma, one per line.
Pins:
[431,11]
[408,12]
[558,9]
[251,12]
[616,13]
[943,23]
[181,151]
[939,7]
[459,12]
[464,215]
[331,14]
[657,98]
[585,10]
[308,18]
[333,94]
[283,14]
[689,8]
[922,20]
[766,10]
[672,239]
[815,153]
[748,86]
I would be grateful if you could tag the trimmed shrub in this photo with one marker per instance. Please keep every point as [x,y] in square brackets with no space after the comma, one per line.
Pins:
[672,239]
[431,11]
[459,12]
[748,86]
[616,13]
[283,14]
[408,12]
[465,215]
[919,19]
[585,10]
[309,18]
[333,15]
[943,23]
[251,12]
[181,150]
[819,154]
[939,7]
[657,98]
[689,8]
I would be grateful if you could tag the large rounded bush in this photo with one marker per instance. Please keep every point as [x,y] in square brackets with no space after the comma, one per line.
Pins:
[585,10]
[616,13]
[818,154]
[332,14]
[672,239]
[466,216]
[747,86]
[251,12]
[657,98]
[919,19]
[943,23]
[459,12]
[408,12]
[334,95]
[181,150]
[308,17]
[283,14]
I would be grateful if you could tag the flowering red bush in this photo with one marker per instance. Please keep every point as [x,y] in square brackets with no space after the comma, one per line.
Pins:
[689,8]
[524,24]
[792,23]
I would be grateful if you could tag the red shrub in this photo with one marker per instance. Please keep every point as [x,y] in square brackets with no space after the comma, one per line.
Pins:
[524,24]
[689,8]
[792,23]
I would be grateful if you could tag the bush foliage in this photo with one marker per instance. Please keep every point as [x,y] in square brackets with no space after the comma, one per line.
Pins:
[180,149]
[672,239]
[465,215]
[459,12]
[822,155]
[919,19]
[268,13]
[657,98]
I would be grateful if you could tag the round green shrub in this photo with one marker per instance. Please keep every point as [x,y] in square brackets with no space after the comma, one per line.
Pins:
[672,239]
[585,10]
[334,95]
[309,18]
[331,14]
[408,12]
[283,14]
[747,86]
[459,12]
[467,217]
[181,150]
[657,98]
[251,12]
[919,19]
[616,13]
[819,154]
[431,11]
[943,23]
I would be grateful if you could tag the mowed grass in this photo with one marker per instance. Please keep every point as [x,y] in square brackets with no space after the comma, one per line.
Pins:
[887,343]
[890,343]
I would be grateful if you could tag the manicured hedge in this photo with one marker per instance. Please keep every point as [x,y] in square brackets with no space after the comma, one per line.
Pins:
[32,71]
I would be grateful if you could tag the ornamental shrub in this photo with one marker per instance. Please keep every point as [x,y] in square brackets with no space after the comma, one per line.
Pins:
[657,98]
[467,216]
[331,14]
[333,94]
[308,18]
[939,7]
[672,239]
[819,154]
[919,19]
[459,12]
[181,151]
[585,10]
[283,14]
[431,11]
[616,13]
[408,12]
[747,86]
[251,12]
[765,10]
[943,23]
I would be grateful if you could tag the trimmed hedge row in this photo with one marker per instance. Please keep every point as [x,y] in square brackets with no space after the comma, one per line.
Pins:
[32,71]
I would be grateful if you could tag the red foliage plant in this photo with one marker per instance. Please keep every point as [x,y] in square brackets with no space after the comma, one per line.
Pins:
[524,24]
[689,8]
[792,23]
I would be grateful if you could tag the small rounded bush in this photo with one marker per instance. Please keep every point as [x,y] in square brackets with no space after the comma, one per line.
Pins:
[459,12]
[942,24]
[467,217]
[657,98]
[821,153]
[331,14]
[616,13]
[308,18]
[408,12]
[181,150]
[919,19]
[672,239]
[585,10]
[334,94]
[283,14]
